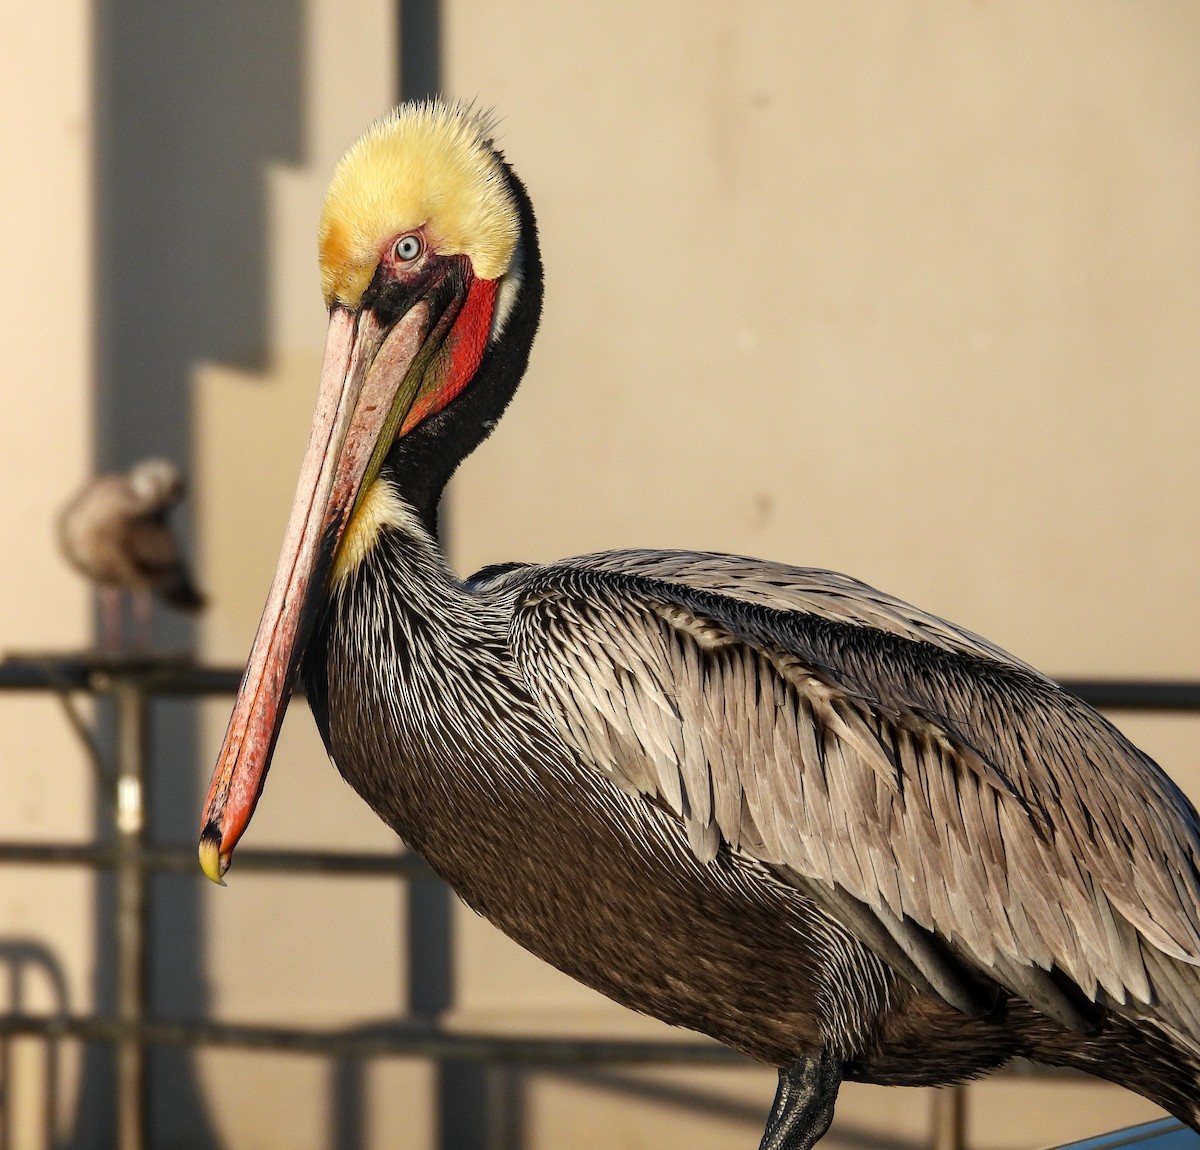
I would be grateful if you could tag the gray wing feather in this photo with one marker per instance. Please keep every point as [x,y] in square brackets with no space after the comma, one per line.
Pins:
[779,586]
[865,747]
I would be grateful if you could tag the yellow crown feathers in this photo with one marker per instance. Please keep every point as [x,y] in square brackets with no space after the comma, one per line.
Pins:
[430,163]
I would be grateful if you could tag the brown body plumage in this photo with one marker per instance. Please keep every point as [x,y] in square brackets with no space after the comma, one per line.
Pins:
[444,721]
[768,803]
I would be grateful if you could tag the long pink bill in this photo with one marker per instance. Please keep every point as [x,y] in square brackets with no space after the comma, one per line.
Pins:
[364,368]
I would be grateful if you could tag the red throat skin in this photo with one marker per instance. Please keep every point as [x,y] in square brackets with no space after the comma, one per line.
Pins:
[459,357]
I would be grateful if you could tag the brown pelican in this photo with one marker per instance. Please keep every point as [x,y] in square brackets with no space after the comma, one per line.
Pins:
[767,803]
[115,532]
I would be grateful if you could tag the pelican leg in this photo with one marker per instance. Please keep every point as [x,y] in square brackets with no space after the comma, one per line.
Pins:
[804,1103]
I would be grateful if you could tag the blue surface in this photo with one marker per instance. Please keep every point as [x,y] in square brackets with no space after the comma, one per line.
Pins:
[1164,1134]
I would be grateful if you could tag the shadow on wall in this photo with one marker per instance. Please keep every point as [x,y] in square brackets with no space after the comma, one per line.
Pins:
[192,103]
[26,963]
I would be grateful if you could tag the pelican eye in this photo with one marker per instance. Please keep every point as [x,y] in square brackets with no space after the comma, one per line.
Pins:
[407,248]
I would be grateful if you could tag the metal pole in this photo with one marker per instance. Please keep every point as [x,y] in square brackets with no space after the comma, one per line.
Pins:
[130,700]
[504,1117]
[949,1118]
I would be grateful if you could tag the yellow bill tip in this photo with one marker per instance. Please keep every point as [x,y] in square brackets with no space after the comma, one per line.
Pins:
[212,862]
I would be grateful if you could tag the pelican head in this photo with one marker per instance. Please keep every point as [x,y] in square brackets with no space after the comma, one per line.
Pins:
[420,259]
[427,170]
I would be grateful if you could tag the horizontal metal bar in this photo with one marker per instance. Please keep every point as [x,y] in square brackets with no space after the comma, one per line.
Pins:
[179,675]
[314,862]
[1136,694]
[64,854]
[365,1042]
[88,671]
[183,859]
[418,1041]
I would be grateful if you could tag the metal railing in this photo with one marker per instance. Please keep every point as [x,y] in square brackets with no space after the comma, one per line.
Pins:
[131,683]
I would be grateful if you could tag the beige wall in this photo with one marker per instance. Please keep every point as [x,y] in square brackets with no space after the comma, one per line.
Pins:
[45,295]
[908,290]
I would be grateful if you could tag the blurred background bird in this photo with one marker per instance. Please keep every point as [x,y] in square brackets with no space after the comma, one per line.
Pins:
[115,532]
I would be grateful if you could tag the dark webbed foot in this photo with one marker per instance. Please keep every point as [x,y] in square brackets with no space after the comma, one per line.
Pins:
[803,1103]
